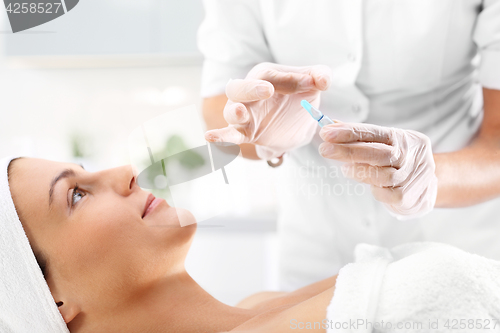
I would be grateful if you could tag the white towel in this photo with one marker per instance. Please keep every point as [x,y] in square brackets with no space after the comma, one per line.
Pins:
[26,304]
[416,287]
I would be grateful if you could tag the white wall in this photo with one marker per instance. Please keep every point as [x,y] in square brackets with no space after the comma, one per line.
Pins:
[98,27]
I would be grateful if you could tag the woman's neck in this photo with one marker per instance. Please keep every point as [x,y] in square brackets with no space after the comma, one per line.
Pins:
[178,304]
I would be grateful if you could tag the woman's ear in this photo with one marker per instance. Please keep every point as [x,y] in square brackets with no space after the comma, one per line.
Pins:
[69,310]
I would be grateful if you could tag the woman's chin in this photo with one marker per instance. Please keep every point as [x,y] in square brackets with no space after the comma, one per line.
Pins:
[185,217]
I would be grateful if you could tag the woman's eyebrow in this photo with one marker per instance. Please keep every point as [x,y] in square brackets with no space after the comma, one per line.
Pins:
[65,174]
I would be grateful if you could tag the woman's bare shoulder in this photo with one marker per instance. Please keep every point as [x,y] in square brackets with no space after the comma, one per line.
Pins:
[272,299]
[259,299]
[285,312]
[310,313]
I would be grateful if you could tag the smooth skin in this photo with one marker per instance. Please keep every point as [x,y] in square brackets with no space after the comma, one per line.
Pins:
[465,177]
[111,270]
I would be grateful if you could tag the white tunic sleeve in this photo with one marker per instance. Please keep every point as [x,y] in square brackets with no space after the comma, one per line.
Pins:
[232,41]
[487,38]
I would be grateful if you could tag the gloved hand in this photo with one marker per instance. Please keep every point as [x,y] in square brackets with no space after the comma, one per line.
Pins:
[397,163]
[264,109]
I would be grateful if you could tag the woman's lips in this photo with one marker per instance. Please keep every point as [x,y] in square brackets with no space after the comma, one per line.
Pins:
[151,204]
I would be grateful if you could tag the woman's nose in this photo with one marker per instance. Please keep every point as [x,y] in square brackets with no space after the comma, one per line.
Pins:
[122,179]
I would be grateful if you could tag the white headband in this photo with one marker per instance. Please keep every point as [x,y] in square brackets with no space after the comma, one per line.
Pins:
[26,304]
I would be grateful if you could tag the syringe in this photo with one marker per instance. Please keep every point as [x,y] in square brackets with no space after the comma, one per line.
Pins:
[316,114]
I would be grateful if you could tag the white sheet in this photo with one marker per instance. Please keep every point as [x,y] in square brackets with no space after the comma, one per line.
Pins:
[416,287]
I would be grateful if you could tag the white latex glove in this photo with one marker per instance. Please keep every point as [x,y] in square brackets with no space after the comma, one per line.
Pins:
[264,109]
[397,163]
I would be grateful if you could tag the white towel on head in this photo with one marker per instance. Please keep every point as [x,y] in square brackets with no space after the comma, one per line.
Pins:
[416,287]
[26,304]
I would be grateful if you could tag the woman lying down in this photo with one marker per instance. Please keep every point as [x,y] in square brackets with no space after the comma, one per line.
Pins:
[92,262]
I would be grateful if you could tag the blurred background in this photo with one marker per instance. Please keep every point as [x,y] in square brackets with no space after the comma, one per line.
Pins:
[74,88]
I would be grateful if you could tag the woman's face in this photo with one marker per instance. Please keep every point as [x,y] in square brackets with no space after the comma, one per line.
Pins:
[91,229]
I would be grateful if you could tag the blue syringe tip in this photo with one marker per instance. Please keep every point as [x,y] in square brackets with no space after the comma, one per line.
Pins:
[305,104]
[315,113]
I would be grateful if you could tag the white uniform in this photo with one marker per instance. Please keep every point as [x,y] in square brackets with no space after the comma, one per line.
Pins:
[409,64]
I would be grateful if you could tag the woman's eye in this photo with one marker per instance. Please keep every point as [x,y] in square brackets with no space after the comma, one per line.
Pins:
[77,195]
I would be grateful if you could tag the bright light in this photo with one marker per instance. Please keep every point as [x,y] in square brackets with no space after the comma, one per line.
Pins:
[174,95]
[171,96]
[149,96]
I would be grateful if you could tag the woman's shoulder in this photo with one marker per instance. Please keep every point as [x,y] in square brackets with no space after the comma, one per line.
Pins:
[268,300]
[288,311]
[264,299]
[309,314]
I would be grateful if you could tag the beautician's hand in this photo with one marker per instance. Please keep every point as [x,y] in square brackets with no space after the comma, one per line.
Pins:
[397,163]
[264,109]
